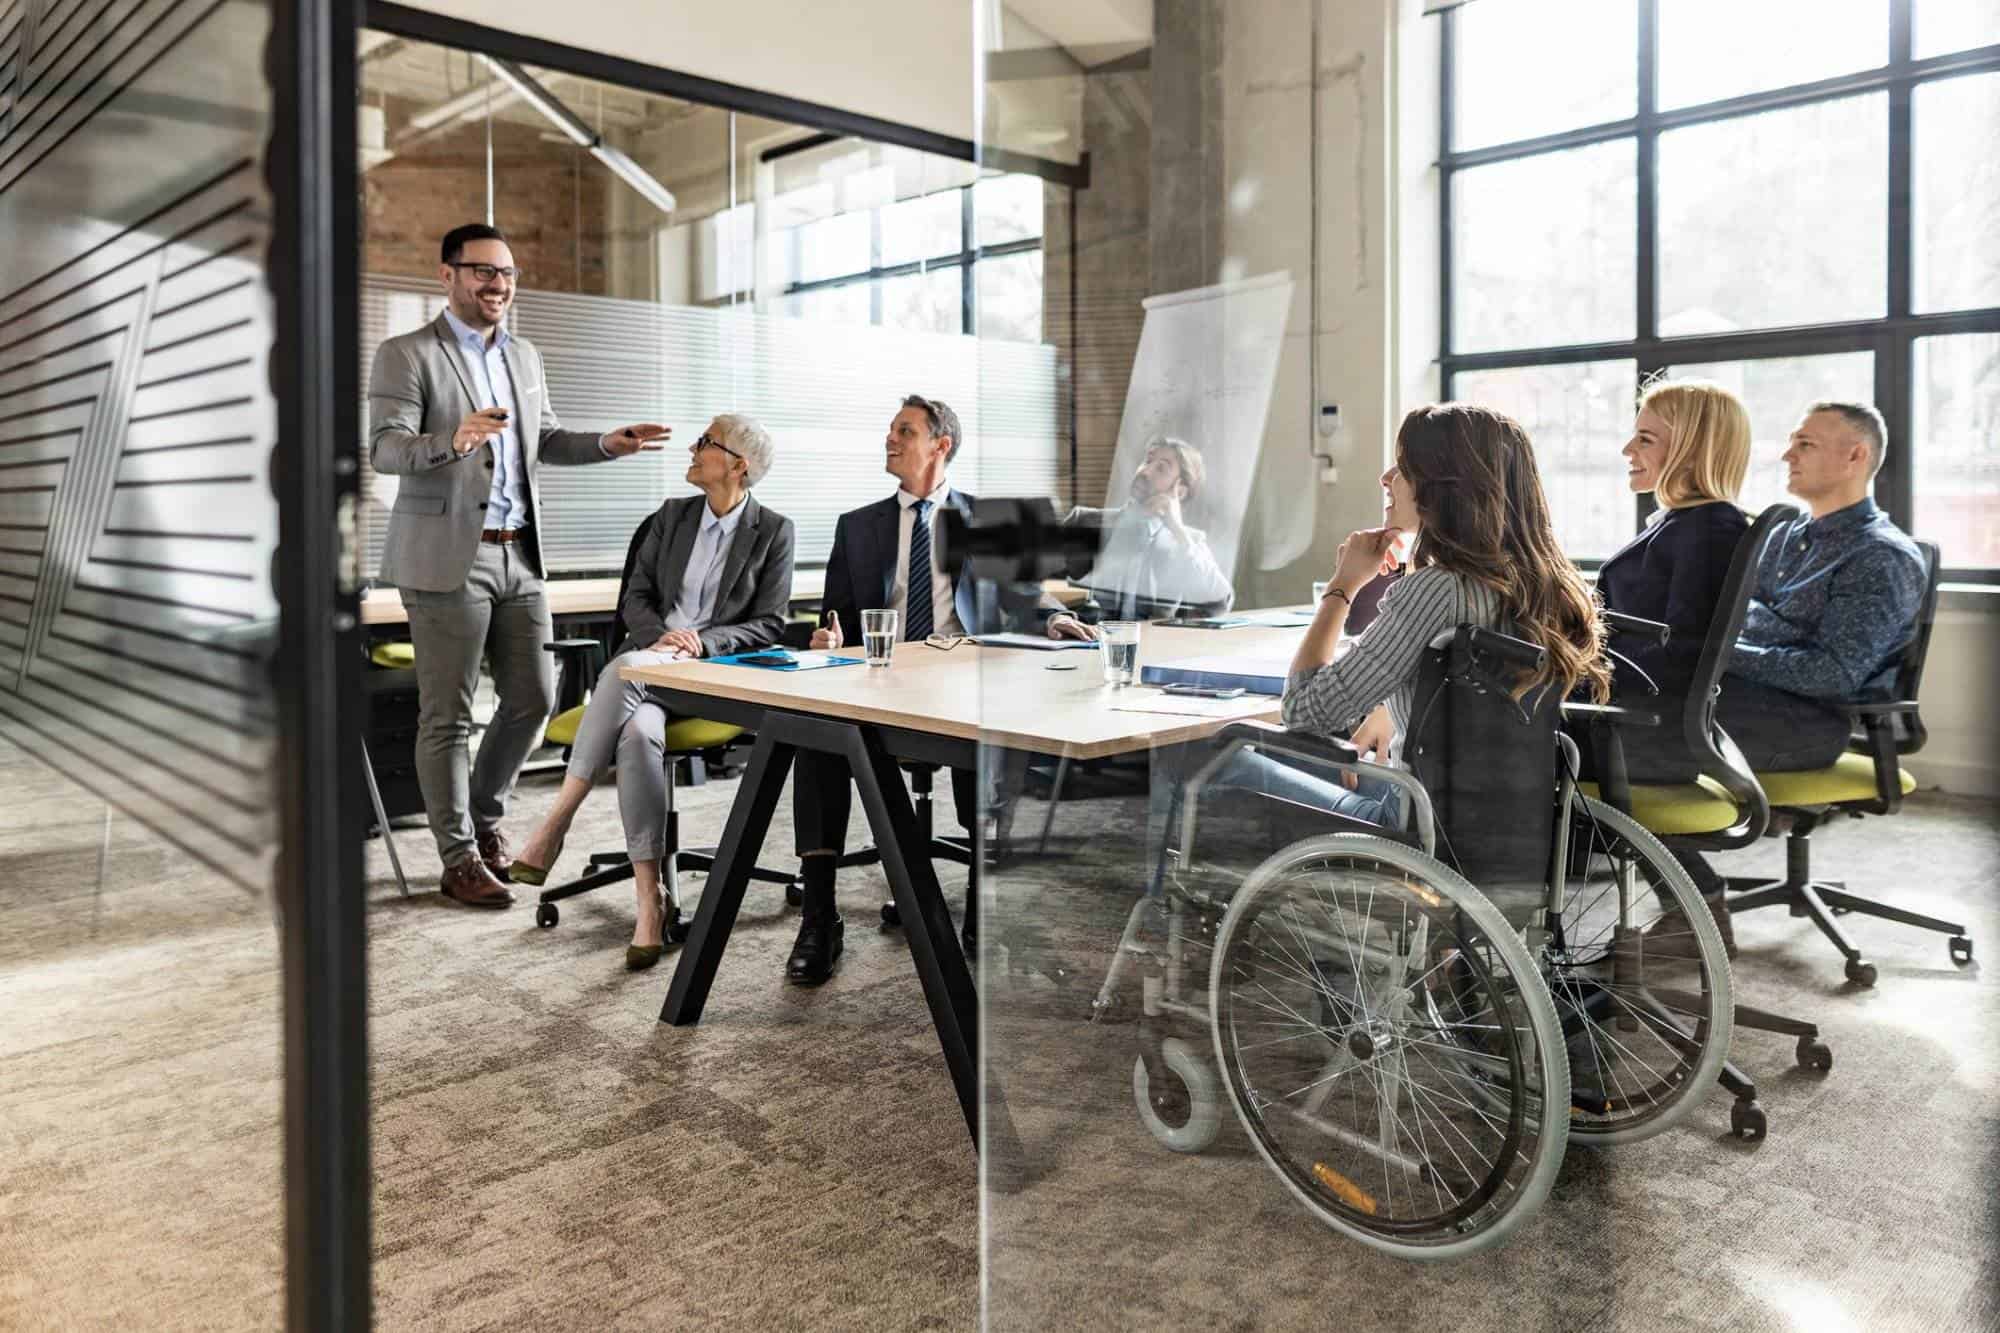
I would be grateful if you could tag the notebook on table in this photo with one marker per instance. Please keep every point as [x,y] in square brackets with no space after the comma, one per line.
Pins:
[1254,675]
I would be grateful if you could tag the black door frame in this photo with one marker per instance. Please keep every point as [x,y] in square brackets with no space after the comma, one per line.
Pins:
[314,273]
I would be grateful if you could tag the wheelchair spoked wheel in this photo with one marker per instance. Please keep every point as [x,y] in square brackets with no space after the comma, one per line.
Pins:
[1640,978]
[1386,1042]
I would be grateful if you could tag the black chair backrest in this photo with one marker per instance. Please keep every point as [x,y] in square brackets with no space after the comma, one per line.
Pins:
[1717,756]
[625,576]
[1910,733]
[1487,760]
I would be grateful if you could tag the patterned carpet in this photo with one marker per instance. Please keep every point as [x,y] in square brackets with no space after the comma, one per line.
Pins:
[549,1156]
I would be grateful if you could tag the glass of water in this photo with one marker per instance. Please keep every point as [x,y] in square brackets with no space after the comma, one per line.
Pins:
[1319,591]
[1120,643]
[878,636]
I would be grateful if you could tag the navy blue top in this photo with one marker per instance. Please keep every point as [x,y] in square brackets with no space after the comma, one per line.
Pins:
[1836,601]
[1672,572]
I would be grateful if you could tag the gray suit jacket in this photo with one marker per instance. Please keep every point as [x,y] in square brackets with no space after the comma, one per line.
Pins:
[751,600]
[418,392]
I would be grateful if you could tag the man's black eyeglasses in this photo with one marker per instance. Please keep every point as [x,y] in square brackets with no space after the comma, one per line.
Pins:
[488,272]
[710,442]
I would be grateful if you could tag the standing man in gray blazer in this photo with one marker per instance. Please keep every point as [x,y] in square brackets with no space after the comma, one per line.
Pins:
[461,413]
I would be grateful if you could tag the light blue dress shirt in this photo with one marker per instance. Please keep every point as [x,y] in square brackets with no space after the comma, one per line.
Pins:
[507,502]
[701,582]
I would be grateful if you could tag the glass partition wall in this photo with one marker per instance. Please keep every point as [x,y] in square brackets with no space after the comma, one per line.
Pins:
[1252,1055]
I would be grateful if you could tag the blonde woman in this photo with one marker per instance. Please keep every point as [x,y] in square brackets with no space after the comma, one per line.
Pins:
[1690,448]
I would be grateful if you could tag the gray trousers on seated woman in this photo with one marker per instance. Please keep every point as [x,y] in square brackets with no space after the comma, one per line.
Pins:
[1373,801]
[624,723]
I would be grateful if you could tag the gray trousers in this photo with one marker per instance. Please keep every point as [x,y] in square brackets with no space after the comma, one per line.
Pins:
[623,723]
[502,616]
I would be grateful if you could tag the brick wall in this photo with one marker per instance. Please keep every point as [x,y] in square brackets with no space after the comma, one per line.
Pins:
[550,199]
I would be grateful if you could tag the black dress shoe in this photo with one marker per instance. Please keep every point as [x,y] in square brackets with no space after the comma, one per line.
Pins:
[813,953]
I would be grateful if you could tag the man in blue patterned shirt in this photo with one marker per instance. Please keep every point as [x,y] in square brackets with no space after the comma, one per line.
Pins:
[1836,600]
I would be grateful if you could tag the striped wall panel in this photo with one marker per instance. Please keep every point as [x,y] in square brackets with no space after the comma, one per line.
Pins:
[826,392]
[137,524]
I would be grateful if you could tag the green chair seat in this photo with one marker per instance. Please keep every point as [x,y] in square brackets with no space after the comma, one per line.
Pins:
[1849,778]
[685,735]
[1701,806]
[396,656]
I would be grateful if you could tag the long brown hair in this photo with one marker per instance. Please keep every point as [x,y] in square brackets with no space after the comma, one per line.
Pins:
[1486,519]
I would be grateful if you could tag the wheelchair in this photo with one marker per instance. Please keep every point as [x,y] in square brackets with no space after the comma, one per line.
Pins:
[1411,1025]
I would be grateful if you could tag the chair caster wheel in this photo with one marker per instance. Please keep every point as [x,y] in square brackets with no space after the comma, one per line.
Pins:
[1746,1121]
[795,894]
[1961,949]
[890,916]
[1860,973]
[546,915]
[676,931]
[1816,1055]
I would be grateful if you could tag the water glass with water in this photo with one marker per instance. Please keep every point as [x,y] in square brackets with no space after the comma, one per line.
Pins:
[1319,591]
[1120,644]
[878,636]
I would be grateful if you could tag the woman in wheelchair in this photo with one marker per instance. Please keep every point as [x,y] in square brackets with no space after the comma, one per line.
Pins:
[1409,1058]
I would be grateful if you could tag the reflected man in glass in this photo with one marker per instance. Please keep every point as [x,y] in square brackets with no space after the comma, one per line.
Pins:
[1151,563]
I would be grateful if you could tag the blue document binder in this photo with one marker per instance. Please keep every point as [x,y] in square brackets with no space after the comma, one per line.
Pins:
[1254,675]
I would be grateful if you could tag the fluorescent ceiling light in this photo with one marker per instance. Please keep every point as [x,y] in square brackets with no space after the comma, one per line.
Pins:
[636,176]
[616,162]
[542,100]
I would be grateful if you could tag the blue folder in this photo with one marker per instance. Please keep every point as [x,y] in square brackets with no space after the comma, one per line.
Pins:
[1253,675]
[778,659]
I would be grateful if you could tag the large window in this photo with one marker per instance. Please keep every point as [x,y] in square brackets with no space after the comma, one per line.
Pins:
[1792,197]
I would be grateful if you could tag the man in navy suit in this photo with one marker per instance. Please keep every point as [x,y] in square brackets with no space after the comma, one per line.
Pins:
[876,548]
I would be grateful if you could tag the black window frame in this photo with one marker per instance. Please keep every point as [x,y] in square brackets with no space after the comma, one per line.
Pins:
[1891,338]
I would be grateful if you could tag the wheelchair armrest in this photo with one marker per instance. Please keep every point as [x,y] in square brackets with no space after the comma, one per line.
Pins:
[1620,623]
[1611,715]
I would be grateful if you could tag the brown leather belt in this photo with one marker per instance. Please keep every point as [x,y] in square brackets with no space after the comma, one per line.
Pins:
[500,536]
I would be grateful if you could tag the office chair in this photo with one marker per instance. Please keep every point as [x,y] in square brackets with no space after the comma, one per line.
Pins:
[1724,807]
[691,739]
[1866,780]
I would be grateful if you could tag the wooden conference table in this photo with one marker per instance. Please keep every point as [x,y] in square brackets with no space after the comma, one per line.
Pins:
[934,706]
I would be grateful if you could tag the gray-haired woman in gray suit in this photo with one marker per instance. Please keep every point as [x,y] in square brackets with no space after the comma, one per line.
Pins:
[713,575]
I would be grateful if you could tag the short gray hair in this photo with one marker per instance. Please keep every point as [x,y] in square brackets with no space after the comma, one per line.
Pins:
[1866,422]
[747,438]
[941,419]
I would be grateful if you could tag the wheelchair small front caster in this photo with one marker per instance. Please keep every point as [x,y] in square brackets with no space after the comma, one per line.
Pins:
[890,916]
[795,894]
[546,915]
[1961,949]
[1815,1055]
[1746,1121]
[1185,1114]
[1860,973]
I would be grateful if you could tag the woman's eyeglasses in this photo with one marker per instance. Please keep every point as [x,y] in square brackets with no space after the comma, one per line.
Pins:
[710,442]
[945,642]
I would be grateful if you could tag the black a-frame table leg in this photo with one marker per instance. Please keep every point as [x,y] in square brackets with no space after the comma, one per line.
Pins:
[947,983]
[742,839]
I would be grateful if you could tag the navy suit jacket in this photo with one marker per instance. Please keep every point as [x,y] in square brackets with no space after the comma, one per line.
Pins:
[1672,572]
[861,573]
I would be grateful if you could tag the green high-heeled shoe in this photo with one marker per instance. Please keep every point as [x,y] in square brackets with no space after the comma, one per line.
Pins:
[639,957]
[520,872]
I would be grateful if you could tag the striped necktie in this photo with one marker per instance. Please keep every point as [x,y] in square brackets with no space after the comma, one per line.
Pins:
[918,620]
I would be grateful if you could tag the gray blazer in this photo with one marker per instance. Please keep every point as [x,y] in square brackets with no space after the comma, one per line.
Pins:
[756,587]
[418,392]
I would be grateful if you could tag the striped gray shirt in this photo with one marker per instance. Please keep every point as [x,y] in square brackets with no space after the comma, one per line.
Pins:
[1382,663]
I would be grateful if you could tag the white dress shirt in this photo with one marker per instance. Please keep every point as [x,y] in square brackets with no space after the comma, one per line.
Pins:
[944,612]
[701,581]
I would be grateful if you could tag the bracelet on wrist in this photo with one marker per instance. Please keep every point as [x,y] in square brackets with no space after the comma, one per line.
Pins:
[1341,593]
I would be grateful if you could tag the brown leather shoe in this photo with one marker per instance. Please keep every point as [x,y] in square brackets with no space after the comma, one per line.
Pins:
[495,852]
[470,882]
